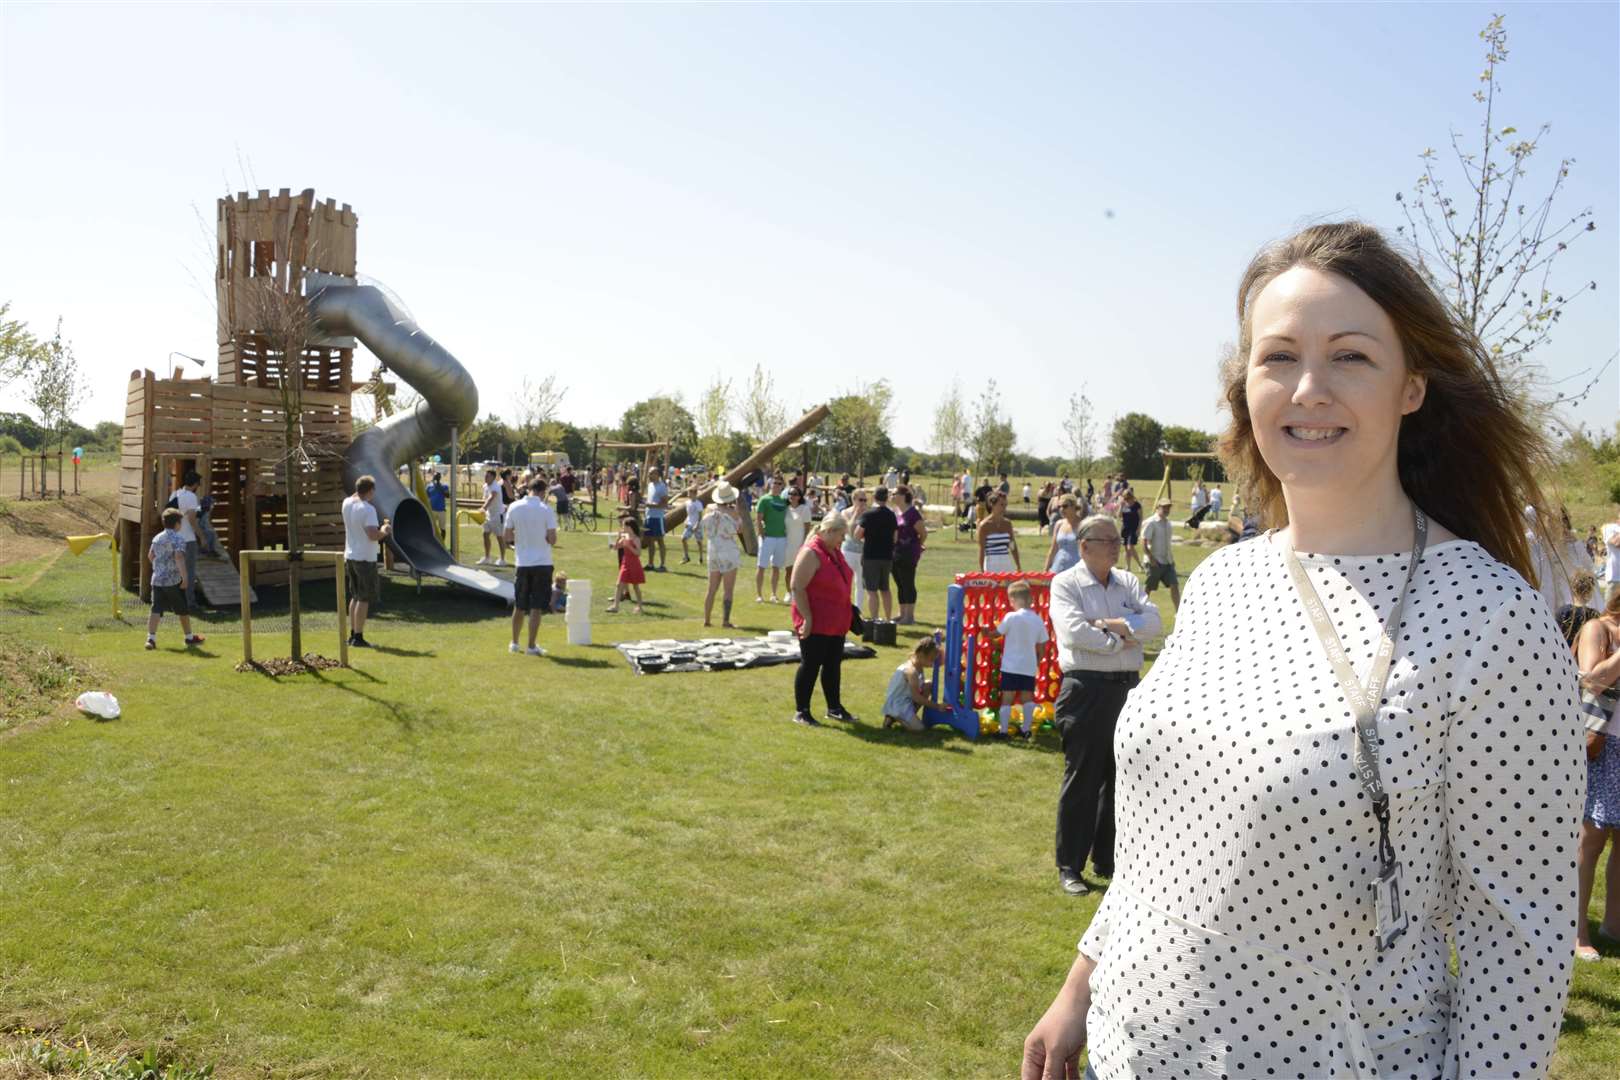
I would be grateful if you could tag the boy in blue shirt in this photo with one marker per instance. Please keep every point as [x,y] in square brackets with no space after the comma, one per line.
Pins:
[169,579]
[437,491]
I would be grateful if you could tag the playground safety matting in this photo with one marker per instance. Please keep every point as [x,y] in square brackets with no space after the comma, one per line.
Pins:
[720,654]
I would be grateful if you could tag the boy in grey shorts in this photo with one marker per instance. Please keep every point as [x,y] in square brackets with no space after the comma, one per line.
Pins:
[169,579]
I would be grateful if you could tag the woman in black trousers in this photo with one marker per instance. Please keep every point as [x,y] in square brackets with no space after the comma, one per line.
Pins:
[820,582]
[908,549]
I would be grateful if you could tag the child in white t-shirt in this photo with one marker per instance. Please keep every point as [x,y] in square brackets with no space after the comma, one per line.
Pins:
[694,525]
[1022,632]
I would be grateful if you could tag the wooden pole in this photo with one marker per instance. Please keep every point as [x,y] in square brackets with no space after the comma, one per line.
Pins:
[596,442]
[244,559]
[115,562]
[455,495]
[343,607]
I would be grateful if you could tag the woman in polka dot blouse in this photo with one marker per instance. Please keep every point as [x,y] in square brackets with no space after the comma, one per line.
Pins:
[1257,925]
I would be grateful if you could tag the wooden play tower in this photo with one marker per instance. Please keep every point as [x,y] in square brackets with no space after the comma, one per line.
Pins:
[231,429]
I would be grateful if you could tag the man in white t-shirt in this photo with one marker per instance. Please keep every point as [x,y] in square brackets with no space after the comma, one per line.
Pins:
[1215,502]
[1611,560]
[186,501]
[363,534]
[531,529]
[494,517]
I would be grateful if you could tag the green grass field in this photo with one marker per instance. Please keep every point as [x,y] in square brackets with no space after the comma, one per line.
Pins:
[452,861]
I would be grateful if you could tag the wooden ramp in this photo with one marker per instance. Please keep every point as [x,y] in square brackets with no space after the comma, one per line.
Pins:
[221,585]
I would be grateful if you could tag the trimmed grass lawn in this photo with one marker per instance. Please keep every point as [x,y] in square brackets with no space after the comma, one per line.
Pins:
[453,861]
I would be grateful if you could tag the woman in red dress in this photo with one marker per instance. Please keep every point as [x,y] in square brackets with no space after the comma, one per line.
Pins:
[631,575]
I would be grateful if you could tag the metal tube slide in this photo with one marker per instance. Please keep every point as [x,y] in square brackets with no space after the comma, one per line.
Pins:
[449,399]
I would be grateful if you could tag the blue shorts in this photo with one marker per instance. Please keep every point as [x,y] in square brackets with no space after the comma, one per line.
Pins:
[1011,683]
[653,527]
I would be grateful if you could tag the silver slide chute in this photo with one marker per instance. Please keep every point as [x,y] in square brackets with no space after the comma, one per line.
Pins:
[448,399]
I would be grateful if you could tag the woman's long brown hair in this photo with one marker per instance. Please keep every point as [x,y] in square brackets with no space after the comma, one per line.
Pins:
[1470,455]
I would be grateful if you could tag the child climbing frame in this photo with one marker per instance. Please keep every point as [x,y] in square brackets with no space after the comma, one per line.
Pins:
[971,677]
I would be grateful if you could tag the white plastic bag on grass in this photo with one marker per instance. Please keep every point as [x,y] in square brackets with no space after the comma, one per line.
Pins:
[98,703]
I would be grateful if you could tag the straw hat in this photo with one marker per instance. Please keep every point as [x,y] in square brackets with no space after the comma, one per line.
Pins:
[724,494]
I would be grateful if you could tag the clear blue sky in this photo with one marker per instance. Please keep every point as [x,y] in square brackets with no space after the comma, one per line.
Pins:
[637,197]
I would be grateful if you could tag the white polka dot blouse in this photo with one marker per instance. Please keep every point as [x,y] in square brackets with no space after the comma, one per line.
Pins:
[1237,938]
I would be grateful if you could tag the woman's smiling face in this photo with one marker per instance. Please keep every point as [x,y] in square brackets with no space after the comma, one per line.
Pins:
[1327,382]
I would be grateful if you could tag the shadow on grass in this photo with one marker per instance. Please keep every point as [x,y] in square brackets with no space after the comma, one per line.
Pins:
[191,650]
[405,717]
[1607,1007]
[940,737]
[437,602]
[650,609]
[394,650]
[581,661]
[936,738]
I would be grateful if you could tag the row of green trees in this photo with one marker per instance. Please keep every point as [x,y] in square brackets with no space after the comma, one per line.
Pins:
[728,422]
[20,433]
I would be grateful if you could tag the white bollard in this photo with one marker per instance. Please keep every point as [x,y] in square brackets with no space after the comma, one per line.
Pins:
[578,615]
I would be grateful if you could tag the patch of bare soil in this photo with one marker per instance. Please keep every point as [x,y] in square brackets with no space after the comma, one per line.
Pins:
[286,665]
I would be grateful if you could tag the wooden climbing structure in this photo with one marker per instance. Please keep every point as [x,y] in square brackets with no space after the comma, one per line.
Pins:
[231,429]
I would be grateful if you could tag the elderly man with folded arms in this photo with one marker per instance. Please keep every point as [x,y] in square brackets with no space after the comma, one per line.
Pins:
[1100,618]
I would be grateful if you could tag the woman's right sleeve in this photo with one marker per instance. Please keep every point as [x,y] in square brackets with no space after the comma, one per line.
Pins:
[1094,942]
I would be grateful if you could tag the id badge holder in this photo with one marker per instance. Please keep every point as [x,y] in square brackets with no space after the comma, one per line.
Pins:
[1391,912]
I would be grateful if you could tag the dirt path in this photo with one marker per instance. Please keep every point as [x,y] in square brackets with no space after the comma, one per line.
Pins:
[34,528]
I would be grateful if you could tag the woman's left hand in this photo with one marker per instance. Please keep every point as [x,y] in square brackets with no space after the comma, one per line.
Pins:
[804,628]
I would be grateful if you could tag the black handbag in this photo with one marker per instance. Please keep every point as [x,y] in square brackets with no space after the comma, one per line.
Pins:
[857,625]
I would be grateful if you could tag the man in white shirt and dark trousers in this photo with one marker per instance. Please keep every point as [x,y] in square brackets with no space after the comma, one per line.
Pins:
[363,535]
[1100,617]
[531,529]
[186,501]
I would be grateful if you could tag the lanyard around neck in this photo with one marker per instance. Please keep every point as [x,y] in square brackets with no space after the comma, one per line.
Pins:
[1363,700]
